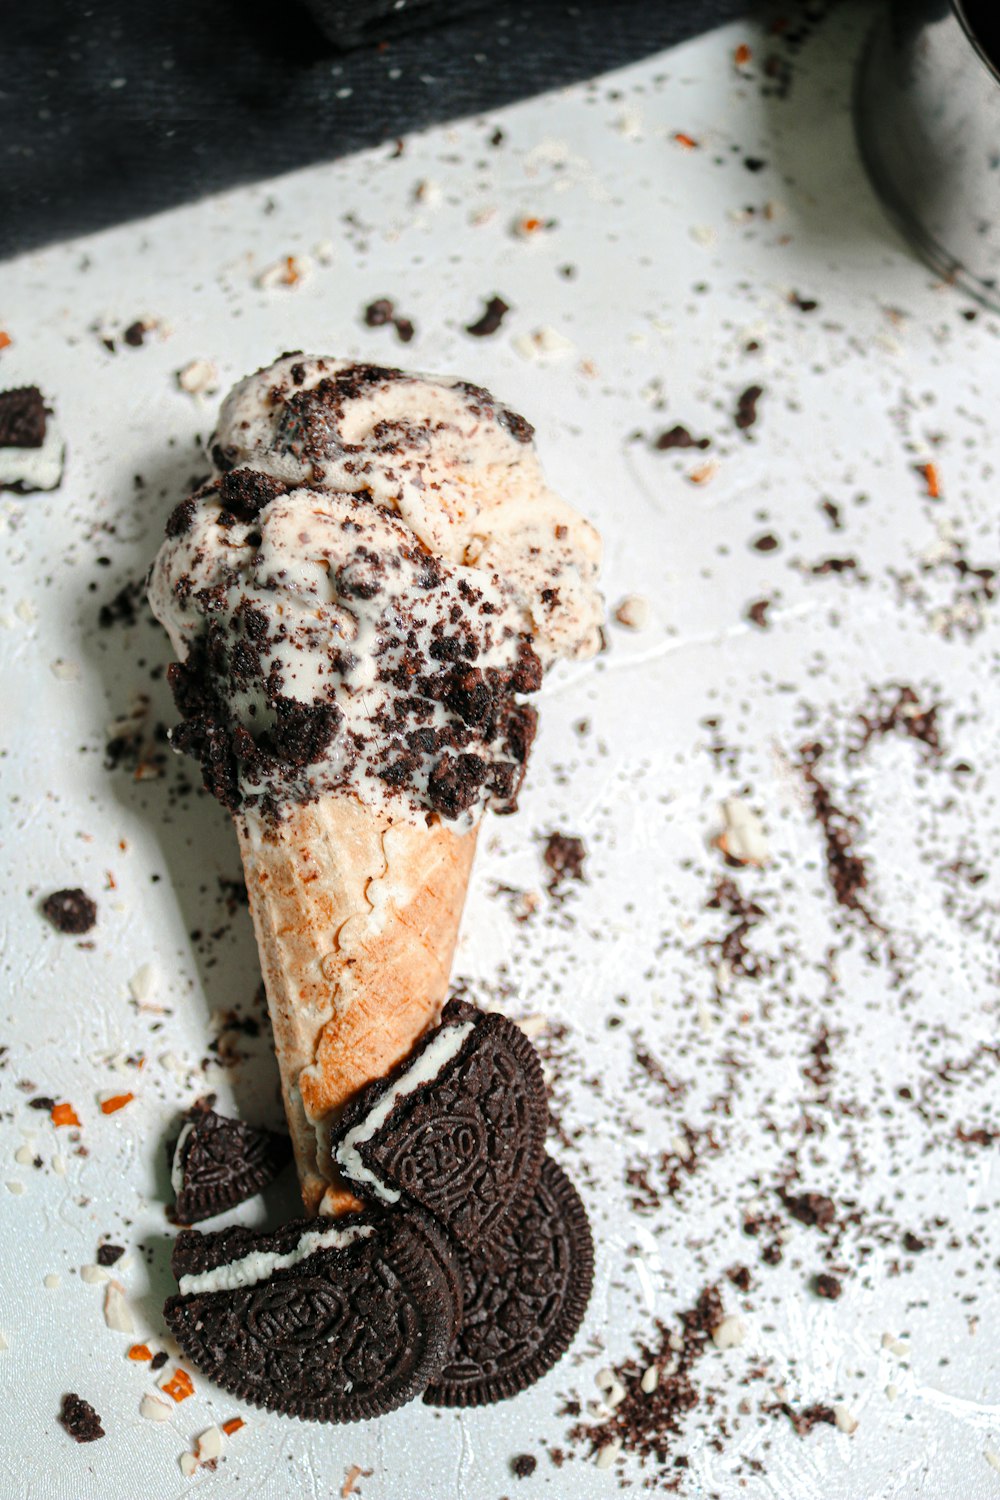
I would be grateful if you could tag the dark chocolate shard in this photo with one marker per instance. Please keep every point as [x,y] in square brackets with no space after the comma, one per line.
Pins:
[329,1320]
[466,1144]
[523,1302]
[218,1162]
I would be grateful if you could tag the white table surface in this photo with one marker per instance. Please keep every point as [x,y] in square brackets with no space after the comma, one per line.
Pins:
[674,277]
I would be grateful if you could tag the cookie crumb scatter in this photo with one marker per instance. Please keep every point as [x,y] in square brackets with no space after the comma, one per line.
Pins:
[827,1286]
[524,1465]
[633,612]
[70,911]
[80,1419]
[107,1254]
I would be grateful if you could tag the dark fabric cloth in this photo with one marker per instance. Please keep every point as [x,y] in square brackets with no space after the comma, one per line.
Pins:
[118,108]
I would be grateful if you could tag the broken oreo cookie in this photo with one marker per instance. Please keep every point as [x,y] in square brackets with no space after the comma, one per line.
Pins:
[458,1129]
[31,450]
[523,1302]
[327,1320]
[217,1162]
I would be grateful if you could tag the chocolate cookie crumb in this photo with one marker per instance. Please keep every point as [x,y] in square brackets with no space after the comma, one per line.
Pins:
[757,613]
[70,911]
[108,1254]
[489,322]
[564,855]
[135,334]
[765,543]
[22,417]
[809,1208]
[827,1286]
[679,437]
[746,407]
[383,311]
[80,1419]
[804,1421]
[524,1465]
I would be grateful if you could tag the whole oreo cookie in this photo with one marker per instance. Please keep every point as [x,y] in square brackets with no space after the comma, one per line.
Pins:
[458,1129]
[217,1162]
[524,1302]
[330,1320]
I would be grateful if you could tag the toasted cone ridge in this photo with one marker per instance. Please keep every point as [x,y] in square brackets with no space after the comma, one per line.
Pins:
[356,915]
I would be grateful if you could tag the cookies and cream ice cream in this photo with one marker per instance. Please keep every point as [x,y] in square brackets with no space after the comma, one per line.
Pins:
[364,594]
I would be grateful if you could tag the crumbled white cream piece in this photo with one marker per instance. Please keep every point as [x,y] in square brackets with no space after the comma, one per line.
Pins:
[845,1419]
[3,1343]
[116,1309]
[141,985]
[992,1457]
[155,1410]
[730,1333]
[609,1453]
[743,838]
[543,344]
[209,1445]
[200,377]
[650,1380]
[633,612]
[17,1188]
[188,1464]
[65,671]
[93,1274]
[25,1155]
[896,1346]
[52,1281]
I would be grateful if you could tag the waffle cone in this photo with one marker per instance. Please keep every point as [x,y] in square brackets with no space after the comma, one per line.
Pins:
[356,915]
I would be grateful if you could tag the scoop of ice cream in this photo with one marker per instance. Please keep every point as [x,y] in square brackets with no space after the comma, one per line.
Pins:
[456,466]
[321,648]
[364,595]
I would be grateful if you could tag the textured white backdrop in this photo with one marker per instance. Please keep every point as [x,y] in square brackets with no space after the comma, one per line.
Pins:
[682,257]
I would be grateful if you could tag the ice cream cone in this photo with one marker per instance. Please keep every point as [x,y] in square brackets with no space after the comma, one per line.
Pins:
[356,915]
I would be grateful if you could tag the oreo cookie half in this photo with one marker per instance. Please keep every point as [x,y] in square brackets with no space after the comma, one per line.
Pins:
[523,1303]
[458,1129]
[330,1320]
[217,1162]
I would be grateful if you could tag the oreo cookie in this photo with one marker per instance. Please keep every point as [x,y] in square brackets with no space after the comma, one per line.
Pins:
[216,1162]
[458,1129]
[523,1302]
[329,1320]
